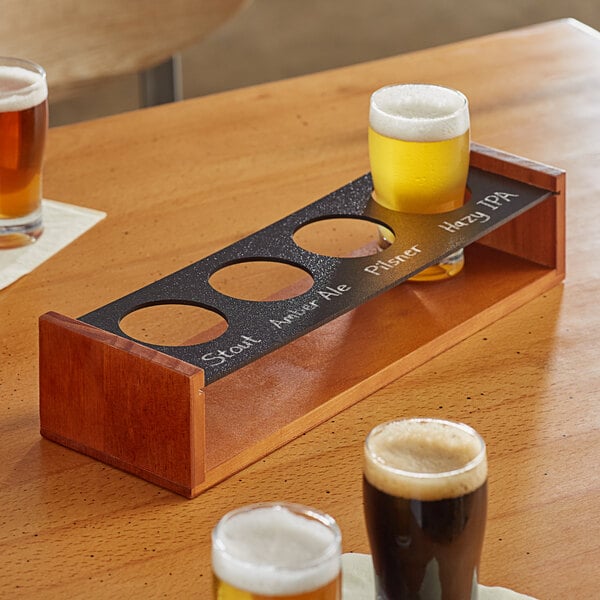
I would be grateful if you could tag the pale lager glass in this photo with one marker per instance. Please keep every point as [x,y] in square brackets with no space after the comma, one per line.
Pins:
[276,551]
[419,153]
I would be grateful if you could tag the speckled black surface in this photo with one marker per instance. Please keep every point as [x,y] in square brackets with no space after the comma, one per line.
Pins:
[340,284]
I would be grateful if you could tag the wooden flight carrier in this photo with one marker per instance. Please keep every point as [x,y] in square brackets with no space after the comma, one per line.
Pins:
[187,417]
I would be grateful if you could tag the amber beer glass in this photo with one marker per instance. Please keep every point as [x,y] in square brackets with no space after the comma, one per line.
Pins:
[419,153]
[425,502]
[276,551]
[23,125]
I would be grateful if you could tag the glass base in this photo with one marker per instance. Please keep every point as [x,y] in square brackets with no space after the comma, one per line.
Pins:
[23,231]
[452,265]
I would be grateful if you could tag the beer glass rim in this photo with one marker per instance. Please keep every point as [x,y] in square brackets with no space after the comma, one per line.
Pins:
[333,549]
[464,100]
[12,61]
[472,464]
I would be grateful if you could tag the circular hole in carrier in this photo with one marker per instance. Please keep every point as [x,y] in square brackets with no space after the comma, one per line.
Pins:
[261,280]
[344,237]
[173,324]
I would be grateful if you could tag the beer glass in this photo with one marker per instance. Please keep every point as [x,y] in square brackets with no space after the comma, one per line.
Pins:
[23,125]
[276,551]
[419,146]
[425,502]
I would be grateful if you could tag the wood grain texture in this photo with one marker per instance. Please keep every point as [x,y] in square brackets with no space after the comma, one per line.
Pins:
[180,182]
[123,403]
[529,237]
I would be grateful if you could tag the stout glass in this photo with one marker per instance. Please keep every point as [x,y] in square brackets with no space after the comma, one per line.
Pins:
[425,502]
[276,551]
[419,146]
[23,125]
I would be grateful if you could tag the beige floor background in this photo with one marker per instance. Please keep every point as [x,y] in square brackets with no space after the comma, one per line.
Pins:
[275,39]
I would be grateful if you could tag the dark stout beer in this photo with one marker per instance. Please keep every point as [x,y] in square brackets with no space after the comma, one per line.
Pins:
[425,498]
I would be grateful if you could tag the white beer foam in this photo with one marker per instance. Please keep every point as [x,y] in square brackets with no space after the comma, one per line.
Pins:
[425,459]
[419,112]
[21,89]
[272,551]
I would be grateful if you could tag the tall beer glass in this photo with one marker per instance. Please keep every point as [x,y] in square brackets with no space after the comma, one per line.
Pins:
[425,502]
[419,145]
[276,551]
[23,125]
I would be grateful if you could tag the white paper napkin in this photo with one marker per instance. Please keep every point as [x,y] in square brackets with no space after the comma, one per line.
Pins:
[358,584]
[63,223]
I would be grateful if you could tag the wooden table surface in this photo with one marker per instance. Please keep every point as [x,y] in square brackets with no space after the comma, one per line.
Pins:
[181,181]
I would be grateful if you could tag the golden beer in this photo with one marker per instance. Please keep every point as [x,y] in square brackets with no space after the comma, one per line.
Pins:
[276,552]
[419,145]
[23,125]
[224,591]
[425,502]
